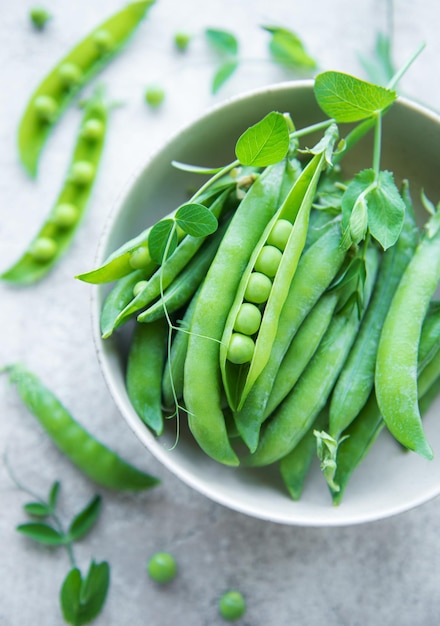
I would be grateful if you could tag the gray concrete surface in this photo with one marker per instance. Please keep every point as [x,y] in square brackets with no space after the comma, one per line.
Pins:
[383,573]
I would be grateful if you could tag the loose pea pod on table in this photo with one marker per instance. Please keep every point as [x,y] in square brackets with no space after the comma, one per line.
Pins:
[57,89]
[59,228]
[93,458]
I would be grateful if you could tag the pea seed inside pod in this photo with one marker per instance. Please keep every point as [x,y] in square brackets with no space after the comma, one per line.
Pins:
[268,260]
[248,319]
[103,40]
[45,107]
[82,173]
[240,349]
[43,249]
[140,258]
[92,130]
[280,233]
[65,215]
[139,286]
[258,288]
[70,74]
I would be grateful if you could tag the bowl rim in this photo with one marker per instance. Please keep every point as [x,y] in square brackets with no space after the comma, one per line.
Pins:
[136,425]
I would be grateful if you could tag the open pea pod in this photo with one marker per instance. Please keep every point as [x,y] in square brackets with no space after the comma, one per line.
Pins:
[265,286]
[57,89]
[134,254]
[59,228]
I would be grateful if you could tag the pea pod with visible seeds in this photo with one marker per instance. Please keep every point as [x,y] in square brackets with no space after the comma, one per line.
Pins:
[308,397]
[202,389]
[58,231]
[144,372]
[239,377]
[94,459]
[119,296]
[357,377]
[57,89]
[396,365]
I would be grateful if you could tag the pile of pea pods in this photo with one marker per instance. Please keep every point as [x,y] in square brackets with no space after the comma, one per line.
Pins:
[278,343]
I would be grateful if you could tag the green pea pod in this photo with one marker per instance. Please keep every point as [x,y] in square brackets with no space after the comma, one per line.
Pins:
[202,388]
[134,254]
[397,355]
[187,282]
[172,381]
[118,297]
[58,88]
[145,364]
[58,231]
[169,270]
[316,270]
[298,411]
[430,336]
[294,466]
[357,377]
[239,379]
[90,456]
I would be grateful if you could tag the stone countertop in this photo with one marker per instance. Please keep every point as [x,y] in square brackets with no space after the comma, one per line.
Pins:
[377,573]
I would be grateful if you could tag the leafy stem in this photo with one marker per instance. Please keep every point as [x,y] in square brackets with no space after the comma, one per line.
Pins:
[377,146]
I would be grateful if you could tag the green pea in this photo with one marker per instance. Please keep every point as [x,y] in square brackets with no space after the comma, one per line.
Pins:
[103,40]
[140,258]
[82,173]
[241,348]
[70,74]
[46,108]
[181,41]
[43,249]
[139,286]
[232,605]
[162,567]
[154,95]
[258,288]
[280,234]
[39,17]
[92,130]
[248,319]
[64,215]
[268,260]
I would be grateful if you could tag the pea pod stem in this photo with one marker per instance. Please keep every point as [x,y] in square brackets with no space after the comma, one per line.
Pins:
[86,58]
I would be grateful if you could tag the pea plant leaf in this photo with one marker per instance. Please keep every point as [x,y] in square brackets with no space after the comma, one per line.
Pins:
[196,220]
[346,98]
[42,533]
[162,240]
[264,143]
[385,206]
[53,495]
[82,599]
[223,73]
[196,169]
[84,521]
[37,509]
[287,49]
[224,42]
[379,66]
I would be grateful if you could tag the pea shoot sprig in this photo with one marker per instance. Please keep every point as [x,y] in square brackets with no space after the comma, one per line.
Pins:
[82,597]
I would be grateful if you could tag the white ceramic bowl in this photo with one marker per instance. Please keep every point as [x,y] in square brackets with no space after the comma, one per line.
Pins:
[388,481]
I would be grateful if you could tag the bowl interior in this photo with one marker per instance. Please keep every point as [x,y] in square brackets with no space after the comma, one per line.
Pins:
[389,480]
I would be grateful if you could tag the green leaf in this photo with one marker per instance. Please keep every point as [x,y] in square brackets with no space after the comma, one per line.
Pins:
[287,49]
[326,144]
[83,599]
[223,41]
[349,99]
[379,67]
[42,533]
[223,73]
[53,495]
[385,207]
[264,143]
[196,220]
[162,239]
[37,509]
[186,167]
[84,521]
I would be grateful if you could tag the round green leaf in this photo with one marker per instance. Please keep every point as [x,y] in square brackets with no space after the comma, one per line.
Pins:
[162,239]
[196,220]
[264,143]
